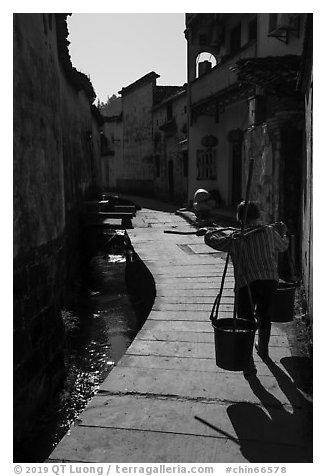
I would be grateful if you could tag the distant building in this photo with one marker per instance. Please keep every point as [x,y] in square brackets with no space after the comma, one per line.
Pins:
[112,145]
[144,145]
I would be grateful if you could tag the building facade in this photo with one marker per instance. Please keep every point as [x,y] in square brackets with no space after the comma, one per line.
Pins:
[226,107]
[245,103]
[170,127]
[137,103]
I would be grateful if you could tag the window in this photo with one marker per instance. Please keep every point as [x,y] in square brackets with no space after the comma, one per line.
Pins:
[206,164]
[205,57]
[235,39]
[252,30]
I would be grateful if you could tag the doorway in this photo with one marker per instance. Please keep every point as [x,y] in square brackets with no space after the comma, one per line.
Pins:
[235,138]
[171,180]
[236,194]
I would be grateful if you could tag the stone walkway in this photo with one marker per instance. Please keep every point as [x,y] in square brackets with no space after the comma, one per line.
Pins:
[166,401]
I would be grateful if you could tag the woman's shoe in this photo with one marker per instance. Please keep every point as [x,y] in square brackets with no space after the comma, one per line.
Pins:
[251,371]
[262,353]
[262,345]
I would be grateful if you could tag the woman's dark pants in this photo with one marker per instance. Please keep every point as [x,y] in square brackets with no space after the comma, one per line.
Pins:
[262,293]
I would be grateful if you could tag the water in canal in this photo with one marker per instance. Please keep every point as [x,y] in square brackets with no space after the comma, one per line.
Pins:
[103,324]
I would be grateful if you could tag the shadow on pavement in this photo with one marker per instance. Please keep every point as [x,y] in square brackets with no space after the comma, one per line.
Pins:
[300,369]
[273,434]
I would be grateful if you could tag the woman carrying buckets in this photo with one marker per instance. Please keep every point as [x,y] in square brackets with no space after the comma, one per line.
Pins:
[254,255]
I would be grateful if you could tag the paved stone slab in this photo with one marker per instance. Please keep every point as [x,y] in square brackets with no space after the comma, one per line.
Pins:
[176,325]
[202,317]
[192,307]
[191,336]
[194,418]
[191,299]
[197,385]
[102,445]
[197,349]
[185,315]
[186,364]
[169,291]
[179,349]
[190,273]
[216,268]
[196,278]
[192,283]
[187,260]
[176,336]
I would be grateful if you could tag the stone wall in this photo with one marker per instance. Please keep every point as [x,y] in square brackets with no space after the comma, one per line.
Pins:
[55,162]
[306,86]
[307,208]
[265,179]
[276,147]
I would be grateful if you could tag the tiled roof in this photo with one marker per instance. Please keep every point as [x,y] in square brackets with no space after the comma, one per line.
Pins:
[277,74]
[149,77]
[163,92]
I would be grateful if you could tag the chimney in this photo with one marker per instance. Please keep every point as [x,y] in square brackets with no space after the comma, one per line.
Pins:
[204,67]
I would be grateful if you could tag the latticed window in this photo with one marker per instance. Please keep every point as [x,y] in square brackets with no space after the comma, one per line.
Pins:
[206,164]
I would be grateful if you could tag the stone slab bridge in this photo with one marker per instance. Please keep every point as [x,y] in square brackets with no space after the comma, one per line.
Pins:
[166,400]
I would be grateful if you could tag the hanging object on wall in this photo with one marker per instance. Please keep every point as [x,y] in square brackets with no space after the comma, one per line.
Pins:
[257,109]
[209,141]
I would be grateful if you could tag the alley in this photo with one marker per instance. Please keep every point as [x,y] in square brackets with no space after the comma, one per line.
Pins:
[244,96]
[166,400]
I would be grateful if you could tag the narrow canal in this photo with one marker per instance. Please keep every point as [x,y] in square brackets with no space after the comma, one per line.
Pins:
[101,326]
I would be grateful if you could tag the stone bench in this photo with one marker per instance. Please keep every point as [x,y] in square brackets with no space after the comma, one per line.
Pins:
[103,218]
[104,206]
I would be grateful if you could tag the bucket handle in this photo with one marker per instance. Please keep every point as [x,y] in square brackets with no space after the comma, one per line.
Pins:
[217,301]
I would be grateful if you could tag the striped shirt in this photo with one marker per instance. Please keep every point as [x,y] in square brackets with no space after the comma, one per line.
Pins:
[254,255]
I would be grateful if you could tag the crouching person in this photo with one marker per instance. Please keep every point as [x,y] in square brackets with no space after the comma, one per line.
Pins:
[203,204]
[255,259]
